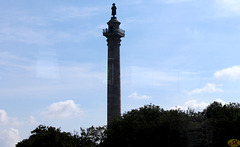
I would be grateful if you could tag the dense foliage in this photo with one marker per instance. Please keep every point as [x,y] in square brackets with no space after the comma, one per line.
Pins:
[150,126]
[44,136]
[223,121]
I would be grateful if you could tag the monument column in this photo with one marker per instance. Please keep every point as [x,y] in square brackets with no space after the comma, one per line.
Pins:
[113,34]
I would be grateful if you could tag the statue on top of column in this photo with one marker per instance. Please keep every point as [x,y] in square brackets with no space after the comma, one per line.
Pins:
[114,8]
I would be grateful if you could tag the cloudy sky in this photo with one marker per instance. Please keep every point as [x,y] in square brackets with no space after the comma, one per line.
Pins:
[176,54]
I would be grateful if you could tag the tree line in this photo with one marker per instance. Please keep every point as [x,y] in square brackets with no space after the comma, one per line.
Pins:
[150,126]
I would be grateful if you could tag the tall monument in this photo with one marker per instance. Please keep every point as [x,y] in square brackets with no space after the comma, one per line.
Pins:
[113,34]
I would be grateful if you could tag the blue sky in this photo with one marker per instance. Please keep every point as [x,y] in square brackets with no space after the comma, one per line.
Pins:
[176,54]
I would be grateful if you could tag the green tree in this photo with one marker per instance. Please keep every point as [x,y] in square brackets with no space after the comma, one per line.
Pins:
[44,136]
[92,137]
[148,126]
[223,122]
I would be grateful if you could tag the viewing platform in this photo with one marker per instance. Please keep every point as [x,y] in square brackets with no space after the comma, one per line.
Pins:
[108,32]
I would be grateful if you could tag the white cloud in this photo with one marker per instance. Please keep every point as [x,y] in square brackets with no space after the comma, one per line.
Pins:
[232,73]
[192,104]
[197,107]
[5,120]
[220,101]
[3,117]
[134,95]
[229,7]
[9,129]
[62,110]
[9,134]
[9,137]
[208,88]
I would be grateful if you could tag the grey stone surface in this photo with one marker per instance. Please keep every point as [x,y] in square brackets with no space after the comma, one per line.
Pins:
[113,34]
